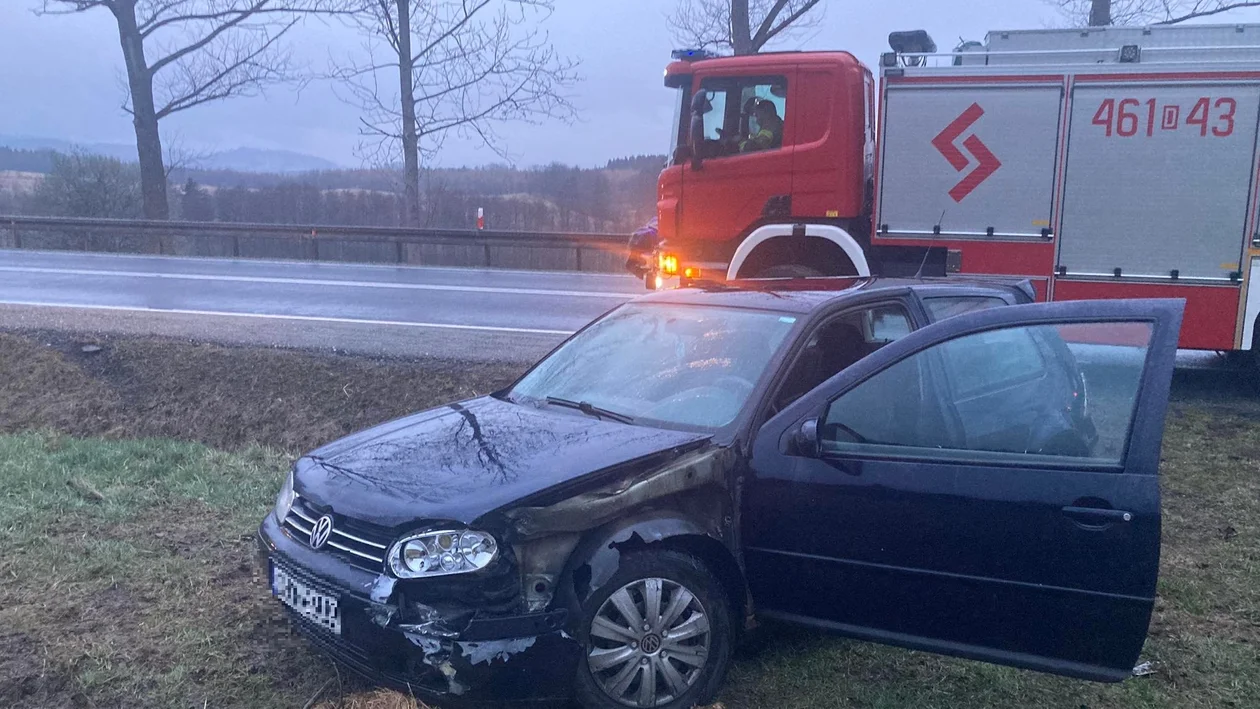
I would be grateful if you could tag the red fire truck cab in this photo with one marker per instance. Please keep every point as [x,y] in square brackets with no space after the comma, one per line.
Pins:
[716,195]
[1100,163]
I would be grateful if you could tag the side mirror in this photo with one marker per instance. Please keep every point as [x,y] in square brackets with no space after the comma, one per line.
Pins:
[805,440]
[697,140]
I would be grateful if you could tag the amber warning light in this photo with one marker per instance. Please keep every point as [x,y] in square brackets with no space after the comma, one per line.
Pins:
[667,264]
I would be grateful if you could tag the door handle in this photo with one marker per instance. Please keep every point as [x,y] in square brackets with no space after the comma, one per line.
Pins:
[1096,517]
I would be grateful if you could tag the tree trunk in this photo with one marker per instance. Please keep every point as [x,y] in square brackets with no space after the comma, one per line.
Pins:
[1100,13]
[144,115]
[410,141]
[741,30]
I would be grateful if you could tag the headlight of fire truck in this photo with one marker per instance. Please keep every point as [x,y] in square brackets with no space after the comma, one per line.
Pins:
[667,264]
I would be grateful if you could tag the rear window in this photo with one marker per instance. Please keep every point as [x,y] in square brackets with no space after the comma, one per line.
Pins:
[974,370]
[942,307]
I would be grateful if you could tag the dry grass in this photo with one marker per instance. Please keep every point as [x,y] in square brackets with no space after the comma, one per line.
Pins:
[375,699]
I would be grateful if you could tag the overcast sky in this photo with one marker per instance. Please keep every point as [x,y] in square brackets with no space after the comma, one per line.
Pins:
[62,78]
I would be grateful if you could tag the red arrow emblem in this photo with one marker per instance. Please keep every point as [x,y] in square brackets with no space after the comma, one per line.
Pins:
[987,162]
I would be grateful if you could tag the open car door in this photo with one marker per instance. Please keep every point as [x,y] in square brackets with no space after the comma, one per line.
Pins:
[984,487]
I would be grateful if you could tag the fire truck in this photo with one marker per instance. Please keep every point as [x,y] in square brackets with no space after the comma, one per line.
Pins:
[1098,163]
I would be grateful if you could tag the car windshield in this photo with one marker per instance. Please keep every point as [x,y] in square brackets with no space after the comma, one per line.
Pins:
[661,364]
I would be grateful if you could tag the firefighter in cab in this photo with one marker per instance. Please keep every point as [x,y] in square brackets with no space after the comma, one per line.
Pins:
[765,129]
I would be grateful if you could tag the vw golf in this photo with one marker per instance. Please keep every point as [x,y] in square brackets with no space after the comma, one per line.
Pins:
[939,465]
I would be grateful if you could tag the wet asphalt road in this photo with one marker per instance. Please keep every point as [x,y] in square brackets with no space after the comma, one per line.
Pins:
[362,309]
[469,314]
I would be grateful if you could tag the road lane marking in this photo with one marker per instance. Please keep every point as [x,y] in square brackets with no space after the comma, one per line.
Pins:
[106,256]
[313,282]
[298,318]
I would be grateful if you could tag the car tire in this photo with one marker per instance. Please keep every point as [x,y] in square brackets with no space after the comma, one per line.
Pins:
[618,656]
[789,271]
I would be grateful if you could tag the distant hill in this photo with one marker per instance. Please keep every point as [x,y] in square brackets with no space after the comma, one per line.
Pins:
[237,159]
[259,160]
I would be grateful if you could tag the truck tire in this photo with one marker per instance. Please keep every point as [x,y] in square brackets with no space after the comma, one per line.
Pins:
[789,271]
[626,628]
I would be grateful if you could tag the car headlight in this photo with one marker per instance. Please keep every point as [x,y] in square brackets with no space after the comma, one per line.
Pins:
[442,553]
[284,500]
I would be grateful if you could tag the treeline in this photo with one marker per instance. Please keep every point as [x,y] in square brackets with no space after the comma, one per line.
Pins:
[26,160]
[617,198]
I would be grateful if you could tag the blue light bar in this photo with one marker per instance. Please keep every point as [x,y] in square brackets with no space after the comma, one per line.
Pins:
[691,55]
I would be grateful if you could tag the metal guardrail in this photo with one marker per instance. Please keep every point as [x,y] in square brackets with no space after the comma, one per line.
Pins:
[308,236]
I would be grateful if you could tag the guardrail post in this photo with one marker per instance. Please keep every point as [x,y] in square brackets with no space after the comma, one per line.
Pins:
[578,256]
[398,251]
[17,238]
[486,248]
[236,245]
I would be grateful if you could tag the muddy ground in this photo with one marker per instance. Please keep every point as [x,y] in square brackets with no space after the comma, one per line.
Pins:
[224,397]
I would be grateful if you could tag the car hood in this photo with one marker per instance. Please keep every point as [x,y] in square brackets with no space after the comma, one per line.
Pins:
[462,460]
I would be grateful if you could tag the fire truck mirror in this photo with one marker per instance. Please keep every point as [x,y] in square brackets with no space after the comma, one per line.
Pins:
[697,139]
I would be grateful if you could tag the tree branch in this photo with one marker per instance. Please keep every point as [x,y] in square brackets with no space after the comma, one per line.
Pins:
[1196,13]
[214,34]
[794,17]
[468,15]
[767,22]
[1149,12]
[75,6]
[231,77]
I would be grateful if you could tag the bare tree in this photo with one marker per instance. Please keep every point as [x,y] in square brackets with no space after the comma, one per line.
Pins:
[183,53]
[1144,12]
[83,185]
[437,67]
[741,26]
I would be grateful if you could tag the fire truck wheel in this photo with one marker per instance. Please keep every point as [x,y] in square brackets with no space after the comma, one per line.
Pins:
[789,271]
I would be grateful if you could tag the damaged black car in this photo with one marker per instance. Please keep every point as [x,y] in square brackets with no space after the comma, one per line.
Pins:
[939,465]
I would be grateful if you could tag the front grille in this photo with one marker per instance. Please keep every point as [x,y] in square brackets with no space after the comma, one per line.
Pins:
[361,547]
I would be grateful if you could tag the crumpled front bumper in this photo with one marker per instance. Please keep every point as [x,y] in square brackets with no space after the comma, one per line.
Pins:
[526,657]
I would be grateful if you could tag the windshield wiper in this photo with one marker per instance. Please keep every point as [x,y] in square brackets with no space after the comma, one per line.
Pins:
[589,409]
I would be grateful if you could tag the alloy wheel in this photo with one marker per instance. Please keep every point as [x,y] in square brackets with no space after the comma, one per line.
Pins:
[649,643]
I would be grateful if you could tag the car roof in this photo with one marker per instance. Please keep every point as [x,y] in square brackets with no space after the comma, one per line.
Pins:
[805,295]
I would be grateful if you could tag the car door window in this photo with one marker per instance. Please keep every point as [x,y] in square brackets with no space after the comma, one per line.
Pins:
[941,307]
[973,369]
[839,342]
[743,115]
[1046,391]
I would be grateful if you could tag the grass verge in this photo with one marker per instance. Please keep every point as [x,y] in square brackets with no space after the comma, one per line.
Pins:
[128,578]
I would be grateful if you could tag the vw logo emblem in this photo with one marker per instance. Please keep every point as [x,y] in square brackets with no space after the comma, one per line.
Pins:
[320,532]
[651,643]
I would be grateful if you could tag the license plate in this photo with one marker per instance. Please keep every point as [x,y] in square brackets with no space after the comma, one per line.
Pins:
[318,607]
